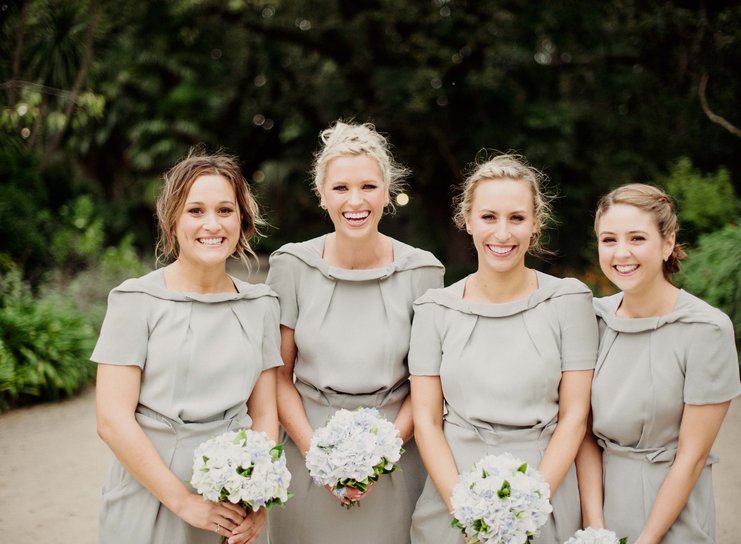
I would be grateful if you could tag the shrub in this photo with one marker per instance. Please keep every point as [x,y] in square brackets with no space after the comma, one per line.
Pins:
[712,272]
[44,346]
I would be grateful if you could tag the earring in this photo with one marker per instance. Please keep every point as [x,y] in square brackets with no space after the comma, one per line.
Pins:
[322,205]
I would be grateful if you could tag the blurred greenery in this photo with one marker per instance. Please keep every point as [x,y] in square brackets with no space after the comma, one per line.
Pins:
[100,97]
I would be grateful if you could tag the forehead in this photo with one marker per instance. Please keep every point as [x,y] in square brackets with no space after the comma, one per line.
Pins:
[353,167]
[499,193]
[211,186]
[626,217]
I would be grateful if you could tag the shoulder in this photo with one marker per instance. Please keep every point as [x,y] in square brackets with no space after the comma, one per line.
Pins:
[410,257]
[706,317]
[606,306]
[559,287]
[443,296]
[296,253]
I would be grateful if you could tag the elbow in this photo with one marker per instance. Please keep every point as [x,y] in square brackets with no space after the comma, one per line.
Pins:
[104,428]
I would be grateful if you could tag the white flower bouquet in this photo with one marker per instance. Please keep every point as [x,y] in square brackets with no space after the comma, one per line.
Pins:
[501,501]
[242,467]
[353,449]
[596,536]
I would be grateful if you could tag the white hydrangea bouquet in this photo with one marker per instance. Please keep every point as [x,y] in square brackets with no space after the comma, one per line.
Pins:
[596,536]
[501,501]
[242,467]
[353,449]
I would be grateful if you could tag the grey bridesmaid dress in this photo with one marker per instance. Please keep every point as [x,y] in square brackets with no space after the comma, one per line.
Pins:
[351,329]
[500,368]
[200,356]
[647,370]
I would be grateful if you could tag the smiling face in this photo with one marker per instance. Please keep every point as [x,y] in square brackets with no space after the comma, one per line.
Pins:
[631,249]
[354,194]
[501,223]
[209,226]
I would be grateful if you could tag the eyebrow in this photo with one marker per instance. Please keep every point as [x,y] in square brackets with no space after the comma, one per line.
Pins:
[510,213]
[203,203]
[629,232]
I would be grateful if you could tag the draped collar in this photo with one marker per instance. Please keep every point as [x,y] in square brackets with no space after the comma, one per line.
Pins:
[406,257]
[153,284]
[688,309]
[549,287]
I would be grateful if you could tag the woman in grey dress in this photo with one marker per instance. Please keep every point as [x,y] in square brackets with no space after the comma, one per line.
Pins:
[185,353]
[666,372]
[346,311]
[502,360]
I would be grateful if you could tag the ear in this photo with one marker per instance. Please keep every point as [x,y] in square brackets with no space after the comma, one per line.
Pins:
[468,227]
[669,243]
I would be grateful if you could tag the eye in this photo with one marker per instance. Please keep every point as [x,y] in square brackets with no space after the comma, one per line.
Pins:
[195,211]
[488,216]
[638,238]
[226,210]
[370,186]
[517,218]
[339,188]
[607,240]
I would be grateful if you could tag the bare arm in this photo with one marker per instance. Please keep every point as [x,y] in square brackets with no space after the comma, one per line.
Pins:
[573,411]
[404,421]
[290,407]
[699,428]
[427,408]
[589,475]
[117,395]
[263,406]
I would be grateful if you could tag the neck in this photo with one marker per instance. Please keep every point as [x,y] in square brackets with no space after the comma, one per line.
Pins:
[497,287]
[372,251]
[189,278]
[654,301]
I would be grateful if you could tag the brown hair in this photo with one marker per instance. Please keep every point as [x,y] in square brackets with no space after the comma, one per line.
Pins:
[659,205]
[508,166]
[178,181]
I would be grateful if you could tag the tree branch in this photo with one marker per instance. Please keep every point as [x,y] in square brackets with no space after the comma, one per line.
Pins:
[712,116]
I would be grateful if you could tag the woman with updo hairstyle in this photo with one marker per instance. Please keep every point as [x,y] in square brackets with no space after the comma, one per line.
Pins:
[502,360]
[185,353]
[346,313]
[666,373]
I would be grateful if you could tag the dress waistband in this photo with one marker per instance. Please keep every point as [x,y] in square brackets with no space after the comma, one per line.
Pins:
[655,455]
[494,434]
[337,399]
[234,413]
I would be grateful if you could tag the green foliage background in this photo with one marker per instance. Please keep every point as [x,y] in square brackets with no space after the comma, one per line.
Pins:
[98,98]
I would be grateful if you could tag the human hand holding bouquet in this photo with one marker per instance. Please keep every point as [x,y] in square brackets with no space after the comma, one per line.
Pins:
[596,536]
[353,450]
[500,501]
[241,467]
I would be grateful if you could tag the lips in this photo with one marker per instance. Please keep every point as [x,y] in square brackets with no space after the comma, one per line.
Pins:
[215,241]
[500,250]
[356,218]
[625,269]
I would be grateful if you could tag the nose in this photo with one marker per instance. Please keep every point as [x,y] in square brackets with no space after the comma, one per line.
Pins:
[621,249]
[211,221]
[501,232]
[356,197]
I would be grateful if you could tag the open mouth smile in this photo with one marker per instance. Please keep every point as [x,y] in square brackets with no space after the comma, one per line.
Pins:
[356,218]
[501,251]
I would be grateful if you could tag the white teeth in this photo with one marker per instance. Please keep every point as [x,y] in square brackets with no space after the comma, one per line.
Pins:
[356,215]
[210,241]
[501,250]
[625,268]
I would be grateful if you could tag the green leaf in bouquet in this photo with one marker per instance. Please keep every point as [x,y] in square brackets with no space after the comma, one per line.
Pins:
[505,491]
[623,540]
[276,452]
[522,468]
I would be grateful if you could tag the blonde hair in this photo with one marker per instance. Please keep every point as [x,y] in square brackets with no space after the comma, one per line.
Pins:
[177,184]
[342,139]
[659,205]
[508,166]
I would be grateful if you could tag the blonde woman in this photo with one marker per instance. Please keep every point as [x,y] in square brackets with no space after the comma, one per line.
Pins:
[185,353]
[502,360]
[666,373]
[346,312]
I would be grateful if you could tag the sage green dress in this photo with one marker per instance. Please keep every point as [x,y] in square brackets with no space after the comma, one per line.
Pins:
[351,328]
[500,368]
[200,356]
[647,371]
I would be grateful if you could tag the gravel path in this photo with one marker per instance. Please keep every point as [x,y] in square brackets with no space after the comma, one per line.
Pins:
[53,464]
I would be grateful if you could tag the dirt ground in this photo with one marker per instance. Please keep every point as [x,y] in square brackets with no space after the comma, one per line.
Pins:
[52,464]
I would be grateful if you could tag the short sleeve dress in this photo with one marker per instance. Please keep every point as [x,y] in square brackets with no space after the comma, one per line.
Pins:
[500,369]
[647,370]
[200,355]
[351,329]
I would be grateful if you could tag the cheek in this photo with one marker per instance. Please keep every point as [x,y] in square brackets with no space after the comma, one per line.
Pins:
[604,255]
